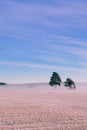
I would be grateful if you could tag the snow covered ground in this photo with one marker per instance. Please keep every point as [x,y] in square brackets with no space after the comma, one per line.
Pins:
[41,107]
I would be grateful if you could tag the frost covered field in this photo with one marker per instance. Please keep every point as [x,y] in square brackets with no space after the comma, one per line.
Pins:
[40,107]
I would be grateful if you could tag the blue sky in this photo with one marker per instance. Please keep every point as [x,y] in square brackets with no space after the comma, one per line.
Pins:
[38,37]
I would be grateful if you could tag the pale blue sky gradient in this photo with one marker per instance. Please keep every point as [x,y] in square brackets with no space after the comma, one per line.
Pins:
[39,37]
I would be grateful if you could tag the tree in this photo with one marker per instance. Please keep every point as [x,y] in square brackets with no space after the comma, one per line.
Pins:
[55,79]
[2,83]
[69,83]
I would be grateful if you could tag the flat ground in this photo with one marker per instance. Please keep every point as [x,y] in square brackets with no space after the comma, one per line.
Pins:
[43,109]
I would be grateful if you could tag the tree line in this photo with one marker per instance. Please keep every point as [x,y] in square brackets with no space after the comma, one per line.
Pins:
[56,80]
[2,83]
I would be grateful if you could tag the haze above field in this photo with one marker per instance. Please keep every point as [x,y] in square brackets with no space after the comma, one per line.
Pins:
[40,37]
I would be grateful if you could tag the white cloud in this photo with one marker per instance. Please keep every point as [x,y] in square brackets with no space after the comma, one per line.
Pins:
[53,30]
[44,66]
[16,14]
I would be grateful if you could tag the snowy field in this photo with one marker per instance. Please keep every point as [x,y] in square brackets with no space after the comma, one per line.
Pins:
[41,107]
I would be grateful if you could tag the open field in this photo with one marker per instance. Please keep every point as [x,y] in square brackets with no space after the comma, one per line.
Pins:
[40,107]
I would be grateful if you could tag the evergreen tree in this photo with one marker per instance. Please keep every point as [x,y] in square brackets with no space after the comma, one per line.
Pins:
[69,83]
[55,79]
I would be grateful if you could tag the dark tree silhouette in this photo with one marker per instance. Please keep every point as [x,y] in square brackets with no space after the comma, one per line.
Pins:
[69,83]
[55,79]
[2,83]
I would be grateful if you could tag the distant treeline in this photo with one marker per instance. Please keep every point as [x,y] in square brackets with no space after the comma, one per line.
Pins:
[2,83]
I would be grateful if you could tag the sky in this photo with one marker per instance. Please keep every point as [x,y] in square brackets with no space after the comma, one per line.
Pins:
[38,37]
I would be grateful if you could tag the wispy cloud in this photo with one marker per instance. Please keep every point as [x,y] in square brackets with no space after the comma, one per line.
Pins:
[44,34]
[43,66]
[32,20]
[16,16]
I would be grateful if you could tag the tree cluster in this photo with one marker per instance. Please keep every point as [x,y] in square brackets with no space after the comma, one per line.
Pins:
[56,80]
[2,83]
